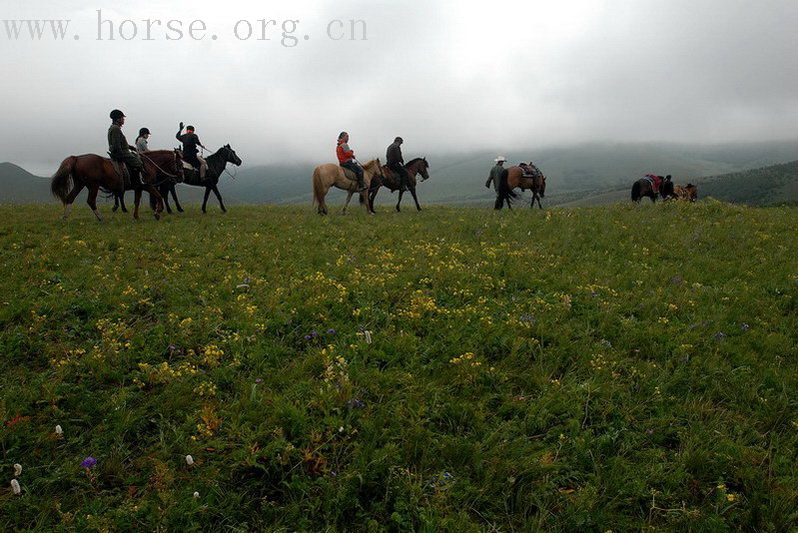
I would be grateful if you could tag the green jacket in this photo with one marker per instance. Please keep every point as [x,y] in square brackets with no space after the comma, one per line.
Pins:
[495,177]
[117,143]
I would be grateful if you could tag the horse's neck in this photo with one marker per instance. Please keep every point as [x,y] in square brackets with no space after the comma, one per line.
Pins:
[216,164]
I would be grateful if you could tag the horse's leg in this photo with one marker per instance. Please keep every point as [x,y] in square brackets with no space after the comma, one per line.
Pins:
[173,188]
[539,202]
[399,203]
[92,201]
[150,188]
[137,203]
[116,204]
[122,201]
[219,197]
[164,190]
[205,201]
[415,198]
[348,199]
[71,199]
[372,197]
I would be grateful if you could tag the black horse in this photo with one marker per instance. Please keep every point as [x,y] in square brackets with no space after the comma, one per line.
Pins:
[216,167]
[644,188]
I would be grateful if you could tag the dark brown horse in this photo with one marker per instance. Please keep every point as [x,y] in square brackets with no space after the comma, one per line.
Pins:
[172,175]
[391,181]
[95,173]
[652,186]
[217,165]
[514,178]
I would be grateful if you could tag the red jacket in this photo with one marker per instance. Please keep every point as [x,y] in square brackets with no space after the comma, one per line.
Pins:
[344,155]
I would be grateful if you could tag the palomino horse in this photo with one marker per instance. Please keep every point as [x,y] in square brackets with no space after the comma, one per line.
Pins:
[391,182]
[514,178]
[645,187]
[330,175]
[95,173]
[172,175]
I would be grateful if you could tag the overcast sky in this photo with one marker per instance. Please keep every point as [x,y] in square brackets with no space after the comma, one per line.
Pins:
[448,75]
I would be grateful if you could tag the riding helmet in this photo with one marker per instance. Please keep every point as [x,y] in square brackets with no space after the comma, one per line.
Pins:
[116,114]
[144,131]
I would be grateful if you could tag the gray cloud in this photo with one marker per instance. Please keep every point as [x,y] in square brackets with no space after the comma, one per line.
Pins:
[448,76]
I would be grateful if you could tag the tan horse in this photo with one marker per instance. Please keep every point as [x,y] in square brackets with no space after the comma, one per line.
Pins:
[325,177]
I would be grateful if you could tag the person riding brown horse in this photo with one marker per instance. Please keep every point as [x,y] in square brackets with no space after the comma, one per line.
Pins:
[95,173]
[414,168]
[120,150]
[395,162]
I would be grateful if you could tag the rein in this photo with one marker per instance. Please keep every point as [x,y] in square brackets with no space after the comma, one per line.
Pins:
[173,176]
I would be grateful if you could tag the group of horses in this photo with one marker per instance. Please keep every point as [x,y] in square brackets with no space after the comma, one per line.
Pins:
[163,170]
[667,190]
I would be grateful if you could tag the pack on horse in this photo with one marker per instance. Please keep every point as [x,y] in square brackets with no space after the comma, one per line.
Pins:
[330,175]
[652,186]
[687,194]
[172,174]
[94,172]
[390,181]
[524,177]
[217,163]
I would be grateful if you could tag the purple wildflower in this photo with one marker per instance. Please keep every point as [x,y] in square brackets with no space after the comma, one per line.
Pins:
[719,336]
[745,327]
[331,331]
[259,381]
[89,463]
[354,403]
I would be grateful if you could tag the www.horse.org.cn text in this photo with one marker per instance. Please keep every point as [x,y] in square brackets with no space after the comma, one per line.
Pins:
[288,33]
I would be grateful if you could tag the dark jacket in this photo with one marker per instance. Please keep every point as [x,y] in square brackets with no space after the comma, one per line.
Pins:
[117,143]
[190,142]
[394,155]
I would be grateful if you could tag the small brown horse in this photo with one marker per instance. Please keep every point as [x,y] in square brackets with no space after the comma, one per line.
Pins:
[330,175]
[95,173]
[686,194]
[391,182]
[514,178]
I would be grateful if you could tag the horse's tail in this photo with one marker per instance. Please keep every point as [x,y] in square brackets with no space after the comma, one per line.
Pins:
[62,180]
[506,193]
[318,187]
[636,191]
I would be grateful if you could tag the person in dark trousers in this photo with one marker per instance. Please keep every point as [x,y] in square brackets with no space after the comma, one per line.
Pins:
[396,163]
[120,150]
[191,155]
[346,158]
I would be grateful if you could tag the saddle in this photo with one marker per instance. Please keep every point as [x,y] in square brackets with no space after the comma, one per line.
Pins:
[654,180]
[121,170]
[530,171]
[349,174]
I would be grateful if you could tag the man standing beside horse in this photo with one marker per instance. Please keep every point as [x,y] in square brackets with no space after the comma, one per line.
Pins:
[120,150]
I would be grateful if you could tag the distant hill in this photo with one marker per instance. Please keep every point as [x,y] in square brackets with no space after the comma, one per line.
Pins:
[771,185]
[18,186]
[587,174]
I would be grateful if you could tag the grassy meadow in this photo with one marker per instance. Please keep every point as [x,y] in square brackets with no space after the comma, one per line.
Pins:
[616,368]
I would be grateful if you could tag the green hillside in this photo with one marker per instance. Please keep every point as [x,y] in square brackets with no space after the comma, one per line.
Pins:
[765,186]
[18,186]
[620,368]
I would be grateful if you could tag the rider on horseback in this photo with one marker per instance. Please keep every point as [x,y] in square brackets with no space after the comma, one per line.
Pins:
[346,158]
[142,144]
[119,150]
[396,163]
[191,155]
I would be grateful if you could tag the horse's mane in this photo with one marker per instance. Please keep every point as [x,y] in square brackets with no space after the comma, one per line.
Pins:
[416,160]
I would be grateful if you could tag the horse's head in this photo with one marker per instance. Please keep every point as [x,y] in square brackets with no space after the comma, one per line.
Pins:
[542,186]
[667,190]
[230,155]
[424,169]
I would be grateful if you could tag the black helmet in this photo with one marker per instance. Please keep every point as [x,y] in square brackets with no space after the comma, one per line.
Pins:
[399,140]
[143,132]
[190,128]
[116,114]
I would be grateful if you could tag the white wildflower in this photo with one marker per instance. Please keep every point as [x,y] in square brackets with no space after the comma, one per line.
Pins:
[17,470]
[189,460]
[15,487]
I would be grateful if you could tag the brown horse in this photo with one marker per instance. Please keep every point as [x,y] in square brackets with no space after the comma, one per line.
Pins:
[514,178]
[391,182]
[95,173]
[331,175]
[687,194]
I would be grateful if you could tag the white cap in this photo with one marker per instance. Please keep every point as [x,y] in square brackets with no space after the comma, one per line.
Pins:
[501,159]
